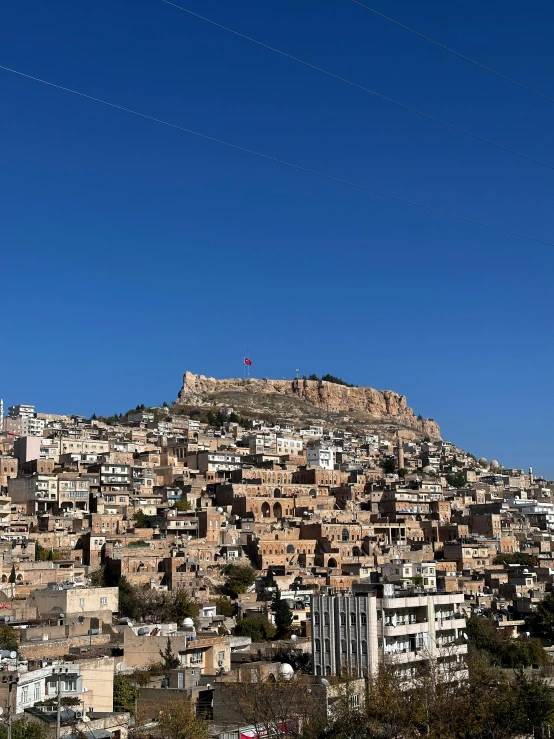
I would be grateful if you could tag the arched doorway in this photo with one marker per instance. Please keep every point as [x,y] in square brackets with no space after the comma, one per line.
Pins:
[332,562]
[266,510]
[277,510]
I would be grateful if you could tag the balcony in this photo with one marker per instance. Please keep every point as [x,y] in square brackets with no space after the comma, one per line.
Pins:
[404,629]
[447,624]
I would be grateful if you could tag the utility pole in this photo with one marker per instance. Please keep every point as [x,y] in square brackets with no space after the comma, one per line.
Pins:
[58,671]
[11,680]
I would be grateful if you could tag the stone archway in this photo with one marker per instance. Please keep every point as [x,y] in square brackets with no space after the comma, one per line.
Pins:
[266,510]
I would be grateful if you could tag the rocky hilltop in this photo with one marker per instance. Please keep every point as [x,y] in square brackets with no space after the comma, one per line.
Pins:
[309,400]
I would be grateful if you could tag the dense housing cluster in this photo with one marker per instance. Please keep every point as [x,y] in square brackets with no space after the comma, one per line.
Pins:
[169,553]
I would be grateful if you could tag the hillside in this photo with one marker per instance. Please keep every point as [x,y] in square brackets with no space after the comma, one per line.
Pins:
[310,401]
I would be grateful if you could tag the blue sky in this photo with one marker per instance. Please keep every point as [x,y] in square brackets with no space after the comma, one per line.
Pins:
[131,252]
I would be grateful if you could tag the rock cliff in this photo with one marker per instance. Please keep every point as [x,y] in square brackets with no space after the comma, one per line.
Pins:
[305,399]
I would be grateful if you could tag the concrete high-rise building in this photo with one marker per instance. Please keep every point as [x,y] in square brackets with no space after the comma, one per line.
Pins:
[356,632]
[21,411]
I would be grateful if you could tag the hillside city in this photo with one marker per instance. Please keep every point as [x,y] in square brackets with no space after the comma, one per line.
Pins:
[184,566]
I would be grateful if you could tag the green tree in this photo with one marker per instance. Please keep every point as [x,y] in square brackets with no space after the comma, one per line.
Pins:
[141,520]
[183,505]
[238,578]
[178,720]
[12,578]
[283,615]
[8,638]
[224,606]
[22,728]
[543,618]
[125,693]
[97,578]
[388,466]
[129,602]
[257,627]
[517,558]
[184,606]
[456,479]
[169,660]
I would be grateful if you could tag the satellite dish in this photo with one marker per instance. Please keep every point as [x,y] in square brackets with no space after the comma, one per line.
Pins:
[1,710]
[121,667]
[325,682]
[13,655]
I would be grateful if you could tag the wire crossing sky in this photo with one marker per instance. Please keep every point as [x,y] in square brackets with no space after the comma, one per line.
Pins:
[131,252]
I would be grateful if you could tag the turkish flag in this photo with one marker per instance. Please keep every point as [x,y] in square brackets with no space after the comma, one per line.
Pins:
[248,361]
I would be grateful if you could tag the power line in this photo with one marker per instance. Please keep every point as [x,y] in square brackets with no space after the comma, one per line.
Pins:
[361,87]
[285,163]
[453,51]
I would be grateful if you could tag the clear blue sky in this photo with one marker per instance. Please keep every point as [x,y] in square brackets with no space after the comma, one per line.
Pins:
[131,252]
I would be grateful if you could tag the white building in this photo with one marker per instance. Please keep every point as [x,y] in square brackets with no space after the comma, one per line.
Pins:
[359,631]
[406,573]
[321,455]
[21,411]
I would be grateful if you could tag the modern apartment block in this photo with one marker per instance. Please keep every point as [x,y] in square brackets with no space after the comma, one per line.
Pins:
[356,632]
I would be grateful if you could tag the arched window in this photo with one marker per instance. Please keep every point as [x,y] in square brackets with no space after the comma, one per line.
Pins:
[317,645]
[363,617]
[345,535]
[327,646]
[353,618]
[327,669]
[353,646]
[364,647]
[326,619]
[316,619]
[342,618]
[318,670]
[290,549]
[344,646]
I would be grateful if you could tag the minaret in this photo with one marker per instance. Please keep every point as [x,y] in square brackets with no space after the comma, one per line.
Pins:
[400,454]
[530,475]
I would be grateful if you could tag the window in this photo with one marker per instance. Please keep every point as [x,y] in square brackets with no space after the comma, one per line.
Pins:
[353,646]
[316,619]
[327,646]
[364,647]
[344,646]
[196,657]
[81,602]
[103,601]
[342,618]
[353,618]
[326,619]
[24,694]
[363,617]
[318,645]
[37,692]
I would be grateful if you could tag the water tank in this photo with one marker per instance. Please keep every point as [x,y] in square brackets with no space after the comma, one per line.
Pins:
[93,632]
[188,623]
[286,672]
[143,630]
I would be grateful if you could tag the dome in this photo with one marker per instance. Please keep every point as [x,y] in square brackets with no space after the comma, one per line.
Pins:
[483,460]
[285,671]
[188,623]
[495,463]
[428,469]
